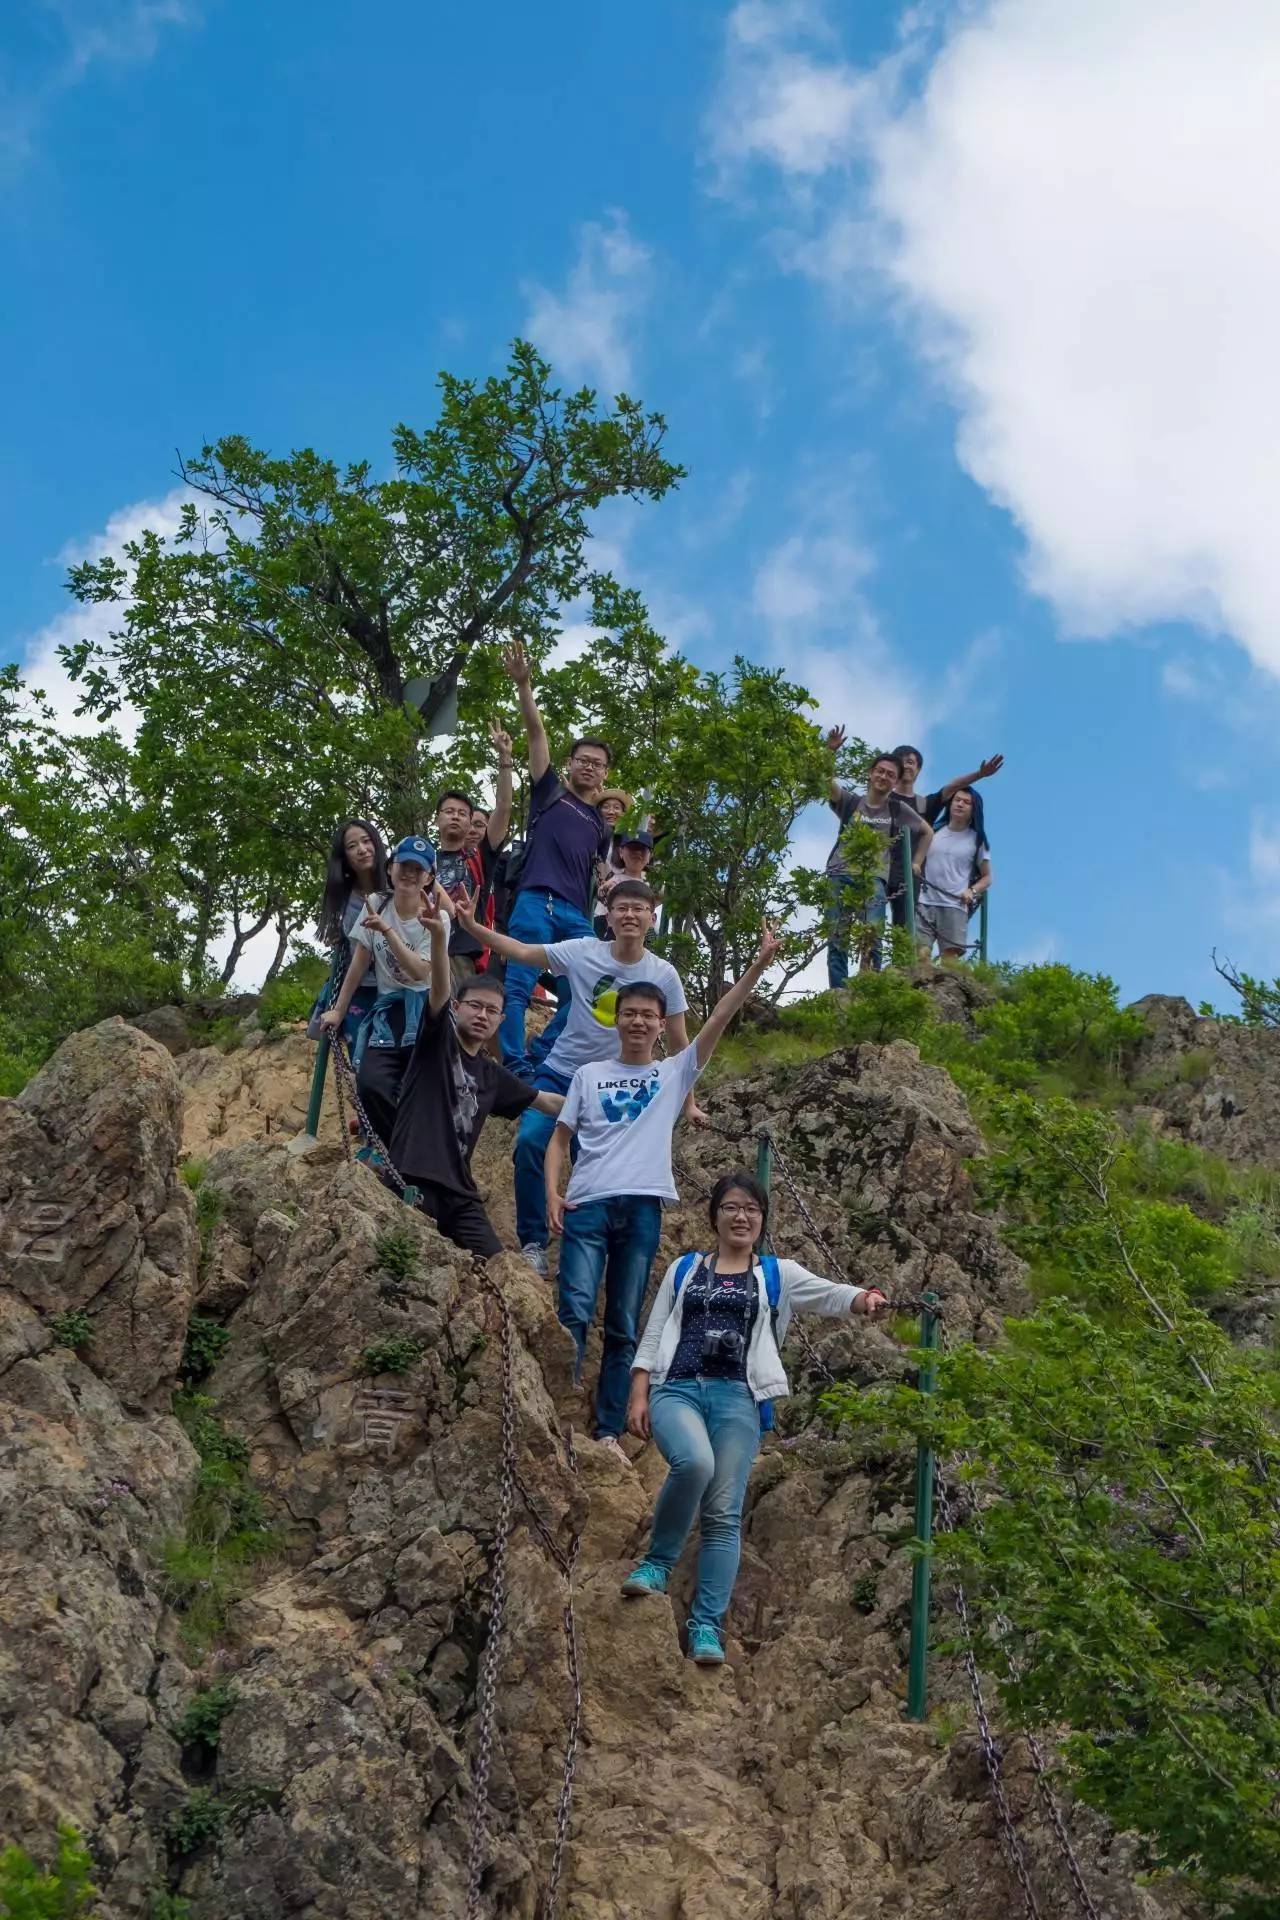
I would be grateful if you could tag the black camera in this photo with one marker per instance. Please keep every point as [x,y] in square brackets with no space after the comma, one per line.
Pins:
[723,1347]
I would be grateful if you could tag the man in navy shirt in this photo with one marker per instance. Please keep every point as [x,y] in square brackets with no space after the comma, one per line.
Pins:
[565,837]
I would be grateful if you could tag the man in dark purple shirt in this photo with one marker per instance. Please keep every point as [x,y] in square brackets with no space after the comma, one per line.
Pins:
[565,837]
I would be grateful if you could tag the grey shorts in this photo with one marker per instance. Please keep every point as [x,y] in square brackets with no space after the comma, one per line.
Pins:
[949,926]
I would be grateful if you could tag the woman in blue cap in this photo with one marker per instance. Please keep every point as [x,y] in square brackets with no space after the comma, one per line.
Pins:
[393,935]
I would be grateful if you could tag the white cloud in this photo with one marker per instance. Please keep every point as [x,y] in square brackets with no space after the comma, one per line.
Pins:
[810,594]
[1075,206]
[586,331]
[41,667]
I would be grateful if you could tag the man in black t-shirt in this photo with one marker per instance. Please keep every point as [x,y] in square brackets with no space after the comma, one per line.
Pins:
[466,866]
[450,1088]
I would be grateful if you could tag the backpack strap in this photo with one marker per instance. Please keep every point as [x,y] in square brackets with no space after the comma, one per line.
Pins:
[688,1263]
[772,1280]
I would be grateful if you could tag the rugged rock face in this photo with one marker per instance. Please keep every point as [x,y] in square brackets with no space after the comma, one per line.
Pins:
[1211,1083]
[787,1785]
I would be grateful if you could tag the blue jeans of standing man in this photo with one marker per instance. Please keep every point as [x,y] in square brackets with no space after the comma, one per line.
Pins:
[841,917]
[709,1433]
[532,1134]
[614,1241]
[539,919]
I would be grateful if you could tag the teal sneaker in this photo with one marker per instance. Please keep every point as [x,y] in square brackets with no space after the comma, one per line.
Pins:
[645,1579]
[705,1648]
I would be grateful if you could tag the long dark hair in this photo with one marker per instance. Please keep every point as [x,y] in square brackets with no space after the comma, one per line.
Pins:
[978,823]
[339,880]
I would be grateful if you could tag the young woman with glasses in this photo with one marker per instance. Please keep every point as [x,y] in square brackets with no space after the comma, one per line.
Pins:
[706,1366]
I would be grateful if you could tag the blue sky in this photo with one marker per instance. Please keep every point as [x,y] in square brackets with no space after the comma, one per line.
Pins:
[969,352]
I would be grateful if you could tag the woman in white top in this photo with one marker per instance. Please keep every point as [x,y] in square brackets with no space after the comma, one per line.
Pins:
[393,935]
[957,872]
[706,1368]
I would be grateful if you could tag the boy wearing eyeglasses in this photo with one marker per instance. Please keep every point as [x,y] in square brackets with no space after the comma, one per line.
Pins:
[566,836]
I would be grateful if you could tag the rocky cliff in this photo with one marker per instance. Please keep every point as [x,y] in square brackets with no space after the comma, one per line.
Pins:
[248,1669]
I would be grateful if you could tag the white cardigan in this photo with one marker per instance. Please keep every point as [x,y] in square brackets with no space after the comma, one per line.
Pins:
[799,1290]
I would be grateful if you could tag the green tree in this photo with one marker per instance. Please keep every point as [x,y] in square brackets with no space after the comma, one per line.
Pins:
[274,644]
[740,763]
[1123,1467]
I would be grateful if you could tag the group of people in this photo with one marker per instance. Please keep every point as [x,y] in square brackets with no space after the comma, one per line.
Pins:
[948,872]
[441,947]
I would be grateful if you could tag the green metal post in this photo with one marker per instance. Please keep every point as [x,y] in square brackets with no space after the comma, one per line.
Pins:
[982,929]
[764,1161]
[317,1087]
[909,888]
[919,1655]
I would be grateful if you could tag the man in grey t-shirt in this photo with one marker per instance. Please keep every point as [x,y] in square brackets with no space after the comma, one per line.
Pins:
[596,970]
[850,901]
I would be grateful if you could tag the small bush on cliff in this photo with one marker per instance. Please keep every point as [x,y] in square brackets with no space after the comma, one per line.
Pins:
[396,1355]
[207,1567]
[1124,1472]
[201,1723]
[291,995]
[205,1345]
[1052,1031]
[64,1891]
[74,1328]
[396,1252]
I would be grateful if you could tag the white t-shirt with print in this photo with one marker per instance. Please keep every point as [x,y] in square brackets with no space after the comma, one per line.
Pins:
[390,976]
[624,1118]
[948,866]
[594,976]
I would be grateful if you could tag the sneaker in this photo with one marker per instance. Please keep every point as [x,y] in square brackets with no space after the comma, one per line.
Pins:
[645,1578]
[705,1648]
[611,1444]
[536,1256]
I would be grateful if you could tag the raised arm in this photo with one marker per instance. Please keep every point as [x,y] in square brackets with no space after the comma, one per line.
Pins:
[517,665]
[464,912]
[835,740]
[984,772]
[500,816]
[437,925]
[728,1003]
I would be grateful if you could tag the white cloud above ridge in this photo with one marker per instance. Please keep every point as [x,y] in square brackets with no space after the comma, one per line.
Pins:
[587,332]
[1075,208]
[90,33]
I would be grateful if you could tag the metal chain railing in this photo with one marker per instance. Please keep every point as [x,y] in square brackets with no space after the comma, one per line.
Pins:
[511,1482]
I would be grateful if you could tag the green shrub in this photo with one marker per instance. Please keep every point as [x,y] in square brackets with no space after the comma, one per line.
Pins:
[192,1173]
[291,995]
[206,1343]
[1052,1031]
[201,1722]
[74,1328]
[62,1892]
[207,1568]
[396,1355]
[203,1817]
[164,1905]
[396,1252]
[224,1033]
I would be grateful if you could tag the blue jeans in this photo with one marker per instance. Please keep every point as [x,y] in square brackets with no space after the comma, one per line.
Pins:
[530,1154]
[709,1433]
[840,917]
[614,1241]
[539,919]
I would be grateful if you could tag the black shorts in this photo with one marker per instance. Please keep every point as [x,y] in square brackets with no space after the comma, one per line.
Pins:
[460,1217]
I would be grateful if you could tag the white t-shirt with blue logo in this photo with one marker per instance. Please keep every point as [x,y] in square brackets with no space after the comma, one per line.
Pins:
[624,1118]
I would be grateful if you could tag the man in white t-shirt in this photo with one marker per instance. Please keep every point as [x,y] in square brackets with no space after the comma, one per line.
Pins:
[596,971]
[623,1112]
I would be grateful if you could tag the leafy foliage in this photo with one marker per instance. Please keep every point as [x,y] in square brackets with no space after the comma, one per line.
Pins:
[289,998]
[1050,1029]
[396,1252]
[1259,999]
[396,1355]
[74,1328]
[1125,1468]
[201,1818]
[206,1569]
[201,1723]
[206,1342]
[62,1892]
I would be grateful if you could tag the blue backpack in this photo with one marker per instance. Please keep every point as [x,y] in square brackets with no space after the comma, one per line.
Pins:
[689,1262]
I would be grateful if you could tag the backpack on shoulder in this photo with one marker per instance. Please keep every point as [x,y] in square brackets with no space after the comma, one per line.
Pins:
[690,1262]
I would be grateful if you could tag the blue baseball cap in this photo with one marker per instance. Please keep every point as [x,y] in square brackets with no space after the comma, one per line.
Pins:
[413,847]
